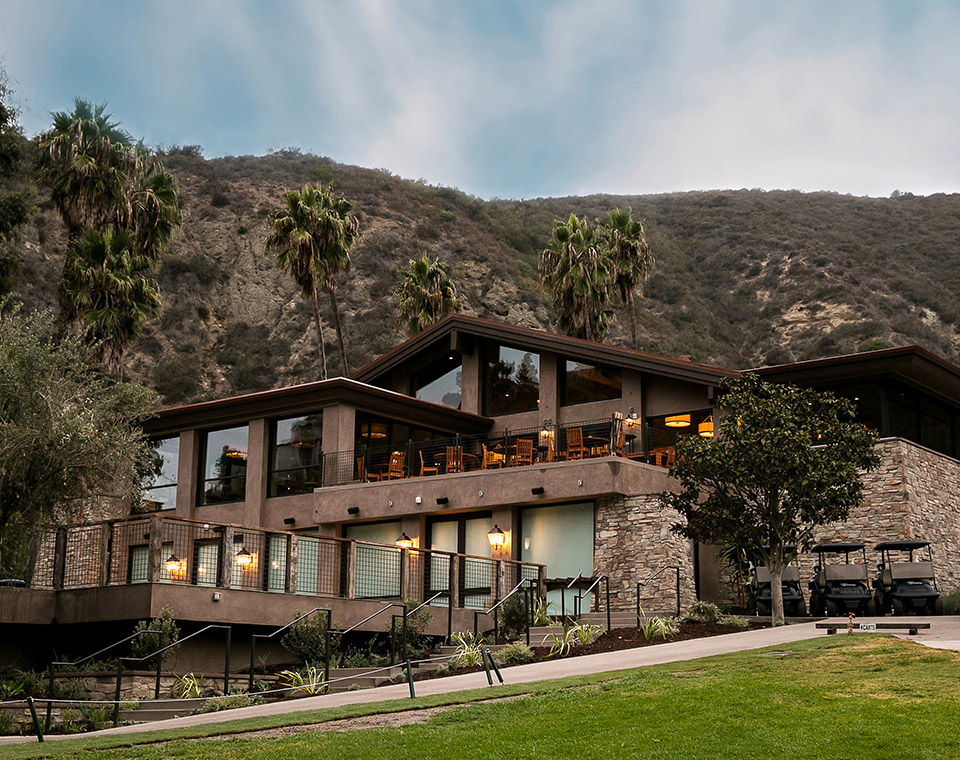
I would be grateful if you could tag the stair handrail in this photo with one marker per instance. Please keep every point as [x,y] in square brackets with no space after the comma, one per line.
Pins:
[662,569]
[495,610]
[254,637]
[330,631]
[578,599]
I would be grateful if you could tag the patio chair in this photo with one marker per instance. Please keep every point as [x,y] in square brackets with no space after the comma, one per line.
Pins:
[362,475]
[426,469]
[575,448]
[454,460]
[394,470]
[524,453]
[491,459]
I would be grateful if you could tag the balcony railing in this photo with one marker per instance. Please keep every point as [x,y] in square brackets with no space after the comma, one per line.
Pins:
[499,450]
[160,549]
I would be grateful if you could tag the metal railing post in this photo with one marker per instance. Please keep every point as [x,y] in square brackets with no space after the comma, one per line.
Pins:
[413,694]
[678,589]
[486,667]
[638,603]
[156,688]
[606,580]
[116,695]
[404,636]
[50,687]
[226,662]
[36,720]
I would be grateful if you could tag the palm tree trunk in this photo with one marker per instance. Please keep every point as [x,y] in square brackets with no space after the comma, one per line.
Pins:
[633,321]
[323,352]
[344,367]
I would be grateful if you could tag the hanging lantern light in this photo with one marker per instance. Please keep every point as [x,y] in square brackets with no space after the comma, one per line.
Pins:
[244,558]
[173,565]
[705,428]
[404,541]
[677,420]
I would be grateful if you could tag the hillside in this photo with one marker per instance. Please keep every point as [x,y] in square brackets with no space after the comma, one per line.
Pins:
[742,277]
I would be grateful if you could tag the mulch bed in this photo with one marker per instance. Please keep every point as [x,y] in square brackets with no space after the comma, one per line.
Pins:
[614,641]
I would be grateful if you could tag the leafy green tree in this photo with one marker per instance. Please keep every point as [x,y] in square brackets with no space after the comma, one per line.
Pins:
[785,460]
[14,206]
[67,434]
[425,295]
[312,236]
[106,283]
[630,260]
[575,272]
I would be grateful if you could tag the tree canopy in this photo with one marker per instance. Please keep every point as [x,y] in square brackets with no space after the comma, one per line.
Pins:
[313,235]
[425,295]
[68,434]
[784,461]
[14,206]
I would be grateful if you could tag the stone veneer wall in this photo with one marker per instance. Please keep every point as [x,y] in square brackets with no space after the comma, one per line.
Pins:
[914,494]
[633,541]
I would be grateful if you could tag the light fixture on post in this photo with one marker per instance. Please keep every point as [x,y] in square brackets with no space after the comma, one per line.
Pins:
[173,565]
[677,420]
[497,538]
[631,418]
[705,428]
[244,558]
[404,541]
[545,431]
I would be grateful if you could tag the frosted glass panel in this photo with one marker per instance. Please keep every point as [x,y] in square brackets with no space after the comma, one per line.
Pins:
[378,568]
[277,569]
[562,539]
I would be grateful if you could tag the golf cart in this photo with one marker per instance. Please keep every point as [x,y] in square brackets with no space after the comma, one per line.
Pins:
[840,587]
[759,589]
[906,586]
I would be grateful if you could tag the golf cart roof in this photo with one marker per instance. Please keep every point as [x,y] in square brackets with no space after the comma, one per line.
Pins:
[906,546]
[836,548]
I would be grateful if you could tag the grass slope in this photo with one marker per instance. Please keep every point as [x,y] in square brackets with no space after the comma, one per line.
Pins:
[857,697]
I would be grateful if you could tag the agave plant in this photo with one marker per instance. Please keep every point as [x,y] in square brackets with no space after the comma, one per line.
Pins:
[306,681]
[469,649]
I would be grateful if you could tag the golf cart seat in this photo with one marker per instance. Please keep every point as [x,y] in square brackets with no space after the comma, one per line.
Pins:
[790,574]
[910,571]
[846,573]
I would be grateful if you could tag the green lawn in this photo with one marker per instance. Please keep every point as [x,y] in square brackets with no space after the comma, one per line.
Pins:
[839,697]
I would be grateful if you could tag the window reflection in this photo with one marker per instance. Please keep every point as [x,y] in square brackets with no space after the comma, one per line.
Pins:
[582,383]
[297,454]
[225,465]
[160,483]
[445,390]
[513,381]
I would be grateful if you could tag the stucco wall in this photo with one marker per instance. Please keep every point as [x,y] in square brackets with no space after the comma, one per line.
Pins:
[632,542]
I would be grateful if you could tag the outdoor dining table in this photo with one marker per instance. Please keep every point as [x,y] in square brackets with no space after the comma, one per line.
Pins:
[441,458]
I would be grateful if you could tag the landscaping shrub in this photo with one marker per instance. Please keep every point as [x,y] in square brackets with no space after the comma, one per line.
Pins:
[165,632]
[307,639]
[514,653]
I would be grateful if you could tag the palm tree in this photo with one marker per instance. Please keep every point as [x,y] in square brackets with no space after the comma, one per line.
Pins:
[425,295]
[313,235]
[109,289]
[630,259]
[151,208]
[575,271]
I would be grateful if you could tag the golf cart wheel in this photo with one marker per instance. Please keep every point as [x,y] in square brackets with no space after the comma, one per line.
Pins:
[898,607]
[938,606]
[871,608]
[832,608]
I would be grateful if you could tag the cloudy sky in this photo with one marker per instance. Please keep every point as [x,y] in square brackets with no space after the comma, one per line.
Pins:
[522,98]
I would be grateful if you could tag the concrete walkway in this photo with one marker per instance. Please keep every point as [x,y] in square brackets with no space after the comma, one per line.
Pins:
[944,633]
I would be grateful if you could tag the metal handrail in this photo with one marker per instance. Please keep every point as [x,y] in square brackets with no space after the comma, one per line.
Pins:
[326,648]
[53,663]
[657,573]
[578,599]
[226,664]
[254,637]
[496,614]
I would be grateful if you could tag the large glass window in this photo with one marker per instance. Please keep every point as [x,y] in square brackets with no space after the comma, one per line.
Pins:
[513,381]
[160,483]
[561,538]
[582,383]
[445,389]
[224,461]
[296,454]
[377,567]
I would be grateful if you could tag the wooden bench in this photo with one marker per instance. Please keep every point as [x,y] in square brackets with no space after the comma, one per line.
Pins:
[911,628]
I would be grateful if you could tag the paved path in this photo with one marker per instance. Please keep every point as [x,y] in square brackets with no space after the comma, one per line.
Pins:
[944,633]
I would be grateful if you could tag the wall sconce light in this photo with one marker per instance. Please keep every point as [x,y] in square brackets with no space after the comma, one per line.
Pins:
[538,491]
[417,500]
[442,500]
[173,565]
[546,432]
[244,559]
[353,510]
[404,541]
[677,420]
[705,428]
[289,520]
[632,418]
[497,538]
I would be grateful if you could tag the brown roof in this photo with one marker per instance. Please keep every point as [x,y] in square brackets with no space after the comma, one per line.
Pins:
[297,399]
[914,365]
[449,329]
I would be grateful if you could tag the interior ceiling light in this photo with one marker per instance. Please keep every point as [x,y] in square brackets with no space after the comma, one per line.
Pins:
[677,420]
[705,428]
